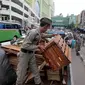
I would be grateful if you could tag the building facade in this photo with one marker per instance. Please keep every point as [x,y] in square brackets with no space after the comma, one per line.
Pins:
[82,19]
[78,20]
[18,10]
[43,8]
[29,2]
[46,8]
[72,19]
[60,21]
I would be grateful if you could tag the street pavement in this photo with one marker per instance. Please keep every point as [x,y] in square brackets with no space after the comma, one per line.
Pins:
[77,70]
[82,54]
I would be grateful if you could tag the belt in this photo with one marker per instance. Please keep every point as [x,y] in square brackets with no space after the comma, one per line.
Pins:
[26,51]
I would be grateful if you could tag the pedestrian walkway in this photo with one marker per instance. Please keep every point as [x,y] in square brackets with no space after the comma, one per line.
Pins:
[82,54]
[77,70]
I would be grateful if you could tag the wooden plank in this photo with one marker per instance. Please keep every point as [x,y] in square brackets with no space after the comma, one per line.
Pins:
[69,56]
[67,51]
[15,49]
[49,59]
[62,58]
[39,56]
[57,39]
[60,43]
[12,47]
[55,58]
[59,55]
[7,50]
[63,46]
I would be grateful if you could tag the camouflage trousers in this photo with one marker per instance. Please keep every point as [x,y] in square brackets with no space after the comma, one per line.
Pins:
[27,60]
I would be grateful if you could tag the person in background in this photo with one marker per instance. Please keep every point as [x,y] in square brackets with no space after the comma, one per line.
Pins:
[68,38]
[73,43]
[14,40]
[78,43]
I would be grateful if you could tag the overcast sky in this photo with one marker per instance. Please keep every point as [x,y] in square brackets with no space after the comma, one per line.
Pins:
[69,6]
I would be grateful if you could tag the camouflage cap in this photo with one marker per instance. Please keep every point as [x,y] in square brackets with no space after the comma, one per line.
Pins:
[46,20]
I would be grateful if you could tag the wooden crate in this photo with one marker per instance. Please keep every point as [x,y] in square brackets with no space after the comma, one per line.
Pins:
[57,53]
[53,75]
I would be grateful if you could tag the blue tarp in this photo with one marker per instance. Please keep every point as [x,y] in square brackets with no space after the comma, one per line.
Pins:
[56,32]
[60,32]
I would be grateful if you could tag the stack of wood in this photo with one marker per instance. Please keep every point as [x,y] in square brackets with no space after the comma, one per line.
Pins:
[13,50]
[57,54]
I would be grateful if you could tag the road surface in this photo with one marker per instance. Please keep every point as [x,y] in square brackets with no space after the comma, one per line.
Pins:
[77,70]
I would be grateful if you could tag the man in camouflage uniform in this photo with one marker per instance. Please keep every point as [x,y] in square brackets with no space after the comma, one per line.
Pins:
[26,55]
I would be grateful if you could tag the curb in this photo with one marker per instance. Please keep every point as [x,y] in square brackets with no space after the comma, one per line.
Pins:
[71,75]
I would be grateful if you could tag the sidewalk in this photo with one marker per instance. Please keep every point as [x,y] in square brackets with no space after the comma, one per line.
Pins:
[77,70]
[82,54]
